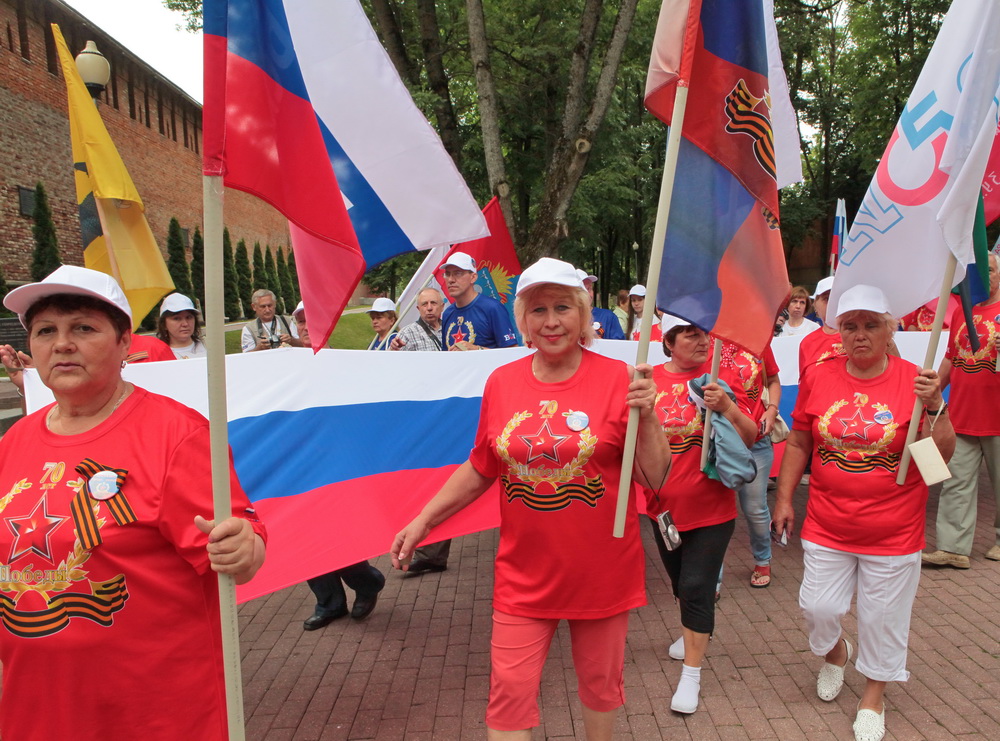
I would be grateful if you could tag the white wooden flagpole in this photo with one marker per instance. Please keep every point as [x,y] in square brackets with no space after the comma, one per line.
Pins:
[932,345]
[652,285]
[707,433]
[218,418]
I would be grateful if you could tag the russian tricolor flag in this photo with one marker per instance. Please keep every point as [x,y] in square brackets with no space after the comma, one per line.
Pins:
[302,104]
[723,263]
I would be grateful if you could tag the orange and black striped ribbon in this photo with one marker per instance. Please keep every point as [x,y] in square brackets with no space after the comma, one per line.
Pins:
[82,506]
[106,599]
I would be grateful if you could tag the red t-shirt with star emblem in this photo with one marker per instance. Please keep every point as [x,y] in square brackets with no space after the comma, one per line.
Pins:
[557,448]
[694,500]
[121,641]
[818,347]
[858,428]
[975,384]
[752,373]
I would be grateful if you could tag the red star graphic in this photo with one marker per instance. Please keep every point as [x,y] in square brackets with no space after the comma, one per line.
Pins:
[673,413]
[458,335]
[32,532]
[857,426]
[543,444]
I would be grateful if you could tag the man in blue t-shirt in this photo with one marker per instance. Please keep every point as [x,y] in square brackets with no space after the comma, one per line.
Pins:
[606,324]
[471,321]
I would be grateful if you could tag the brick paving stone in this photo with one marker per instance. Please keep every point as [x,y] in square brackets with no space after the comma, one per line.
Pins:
[418,668]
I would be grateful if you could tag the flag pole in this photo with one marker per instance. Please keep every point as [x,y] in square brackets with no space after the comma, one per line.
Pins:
[218,419]
[932,346]
[707,433]
[652,285]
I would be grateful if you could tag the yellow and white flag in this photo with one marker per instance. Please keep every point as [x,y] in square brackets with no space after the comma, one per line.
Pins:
[116,238]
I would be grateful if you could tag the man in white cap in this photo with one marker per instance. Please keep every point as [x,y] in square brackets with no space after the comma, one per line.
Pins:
[425,333]
[268,330]
[472,321]
[606,324]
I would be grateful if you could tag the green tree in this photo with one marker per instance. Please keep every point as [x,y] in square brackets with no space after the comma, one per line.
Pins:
[244,277]
[45,258]
[259,273]
[286,282]
[271,271]
[177,264]
[198,267]
[294,276]
[231,291]
[391,276]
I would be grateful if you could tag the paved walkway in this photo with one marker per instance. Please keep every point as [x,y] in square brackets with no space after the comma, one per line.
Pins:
[418,668]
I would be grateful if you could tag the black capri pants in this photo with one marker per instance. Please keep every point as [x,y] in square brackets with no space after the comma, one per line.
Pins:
[694,568]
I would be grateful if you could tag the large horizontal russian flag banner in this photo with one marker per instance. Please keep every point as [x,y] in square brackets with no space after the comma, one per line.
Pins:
[723,263]
[347,447]
[304,109]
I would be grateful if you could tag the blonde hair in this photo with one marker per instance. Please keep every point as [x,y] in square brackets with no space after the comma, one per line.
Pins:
[581,301]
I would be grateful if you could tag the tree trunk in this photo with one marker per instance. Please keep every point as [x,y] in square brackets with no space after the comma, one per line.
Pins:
[573,148]
[392,37]
[496,169]
[437,79]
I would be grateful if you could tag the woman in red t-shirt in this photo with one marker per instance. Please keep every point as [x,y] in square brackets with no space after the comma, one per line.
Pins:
[862,532]
[703,509]
[552,429]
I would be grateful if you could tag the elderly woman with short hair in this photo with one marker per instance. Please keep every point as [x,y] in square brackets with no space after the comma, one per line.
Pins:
[114,614]
[862,532]
[552,429]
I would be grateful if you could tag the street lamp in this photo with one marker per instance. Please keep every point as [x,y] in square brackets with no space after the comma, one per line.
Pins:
[94,69]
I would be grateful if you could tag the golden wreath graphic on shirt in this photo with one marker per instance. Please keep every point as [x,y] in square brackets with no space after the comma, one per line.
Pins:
[682,433]
[34,598]
[984,360]
[865,435]
[837,351]
[460,330]
[543,487]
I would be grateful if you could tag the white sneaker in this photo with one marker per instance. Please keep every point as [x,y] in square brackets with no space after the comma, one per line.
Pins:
[685,699]
[676,650]
[831,677]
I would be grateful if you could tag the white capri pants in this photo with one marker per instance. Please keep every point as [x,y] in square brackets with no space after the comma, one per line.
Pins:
[886,587]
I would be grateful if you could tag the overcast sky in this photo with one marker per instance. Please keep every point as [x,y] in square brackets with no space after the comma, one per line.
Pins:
[151,32]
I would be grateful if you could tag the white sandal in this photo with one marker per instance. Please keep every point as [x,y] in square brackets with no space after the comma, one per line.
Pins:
[831,677]
[869,725]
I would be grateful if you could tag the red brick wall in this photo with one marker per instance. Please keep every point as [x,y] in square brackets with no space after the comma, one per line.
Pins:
[35,141]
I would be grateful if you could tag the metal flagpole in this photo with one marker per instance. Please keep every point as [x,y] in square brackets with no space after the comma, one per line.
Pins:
[218,418]
[652,285]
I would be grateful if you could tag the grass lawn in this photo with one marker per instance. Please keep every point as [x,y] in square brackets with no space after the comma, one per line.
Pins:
[353,332]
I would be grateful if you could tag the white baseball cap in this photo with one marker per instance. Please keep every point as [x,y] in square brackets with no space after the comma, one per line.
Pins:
[669,321]
[460,260]
[549,270]
[299,309]
[584,276]
[823,286]
[381,304]
[637,290]
[863,298]
[69,279]
[176,303]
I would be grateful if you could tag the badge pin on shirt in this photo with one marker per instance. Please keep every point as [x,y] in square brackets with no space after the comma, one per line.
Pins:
[577,421]
[103,485]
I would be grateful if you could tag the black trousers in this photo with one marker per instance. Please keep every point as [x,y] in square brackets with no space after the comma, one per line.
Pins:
[331,598]
[693,569]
